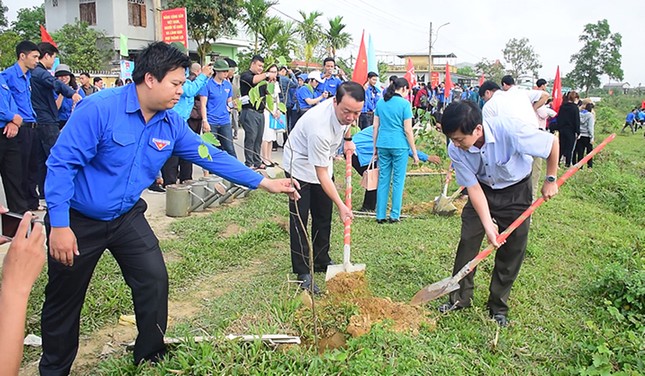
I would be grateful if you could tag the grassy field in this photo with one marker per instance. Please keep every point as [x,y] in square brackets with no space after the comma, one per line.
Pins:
[578,306]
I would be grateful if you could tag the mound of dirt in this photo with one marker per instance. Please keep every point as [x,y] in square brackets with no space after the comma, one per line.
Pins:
[425,208]
[351,309]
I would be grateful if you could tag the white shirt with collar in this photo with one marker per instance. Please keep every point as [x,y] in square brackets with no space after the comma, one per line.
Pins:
[513,103]
[505,158]
[313,142]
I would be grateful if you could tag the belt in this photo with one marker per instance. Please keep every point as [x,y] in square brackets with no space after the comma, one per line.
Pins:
[29,124]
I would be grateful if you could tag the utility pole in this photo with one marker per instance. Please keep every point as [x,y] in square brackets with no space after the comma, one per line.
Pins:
[430,54]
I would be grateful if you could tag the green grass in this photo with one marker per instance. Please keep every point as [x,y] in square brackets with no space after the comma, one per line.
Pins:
[561,324]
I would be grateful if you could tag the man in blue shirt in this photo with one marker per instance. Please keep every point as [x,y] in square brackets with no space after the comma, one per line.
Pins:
[330,77]
[18,78]
[10,161]
[216,100]
[44,104]
[111,149]
[372,95]
[176,167]
[492,159]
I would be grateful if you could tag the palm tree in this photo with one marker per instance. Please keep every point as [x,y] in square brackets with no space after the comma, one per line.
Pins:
[255,16]
[310,30]
[337,38]
[276,36]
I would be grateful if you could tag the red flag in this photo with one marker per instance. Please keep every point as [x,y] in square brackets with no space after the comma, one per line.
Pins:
[448,83]
[557,91]
[45,37]
[482,79]
[409,74]
[360,69]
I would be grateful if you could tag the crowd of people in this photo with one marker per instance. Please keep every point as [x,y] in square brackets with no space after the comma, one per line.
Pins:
[91,152]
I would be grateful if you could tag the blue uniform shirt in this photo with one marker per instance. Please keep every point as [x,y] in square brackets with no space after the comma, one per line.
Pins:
[107,155]
[505,158]
[8,108]
[331,85]
[302,93]
[65,110]
[217,107]
[372,96]
[391,115]
[630,117]
[187,100]
[19,84]
[364,142]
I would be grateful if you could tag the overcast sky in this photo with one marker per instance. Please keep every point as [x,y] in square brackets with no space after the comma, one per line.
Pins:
[478,29]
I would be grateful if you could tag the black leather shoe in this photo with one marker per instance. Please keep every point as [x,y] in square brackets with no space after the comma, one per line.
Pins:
[501,319]
[322,268]
[381,221]
[392,220]
[307,283]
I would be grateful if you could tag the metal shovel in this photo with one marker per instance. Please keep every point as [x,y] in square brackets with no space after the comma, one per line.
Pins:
[346,266]
[443,204]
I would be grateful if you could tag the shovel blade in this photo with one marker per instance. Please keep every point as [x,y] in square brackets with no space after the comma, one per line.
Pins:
[333,270]
[434,291]
[443,206]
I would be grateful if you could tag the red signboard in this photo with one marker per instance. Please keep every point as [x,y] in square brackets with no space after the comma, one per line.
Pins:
[174,27]
[434,79]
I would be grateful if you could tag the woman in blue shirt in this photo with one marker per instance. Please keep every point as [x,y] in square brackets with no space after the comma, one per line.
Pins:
[392,138]
[65,105]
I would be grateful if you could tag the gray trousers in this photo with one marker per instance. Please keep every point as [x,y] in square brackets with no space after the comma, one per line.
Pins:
[253,125]
[505,206]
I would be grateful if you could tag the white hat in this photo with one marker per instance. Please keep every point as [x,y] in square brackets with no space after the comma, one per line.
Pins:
[316,75]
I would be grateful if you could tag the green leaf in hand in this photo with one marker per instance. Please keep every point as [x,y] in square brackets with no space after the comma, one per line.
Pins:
[210,138]
[203,152]
[282,107]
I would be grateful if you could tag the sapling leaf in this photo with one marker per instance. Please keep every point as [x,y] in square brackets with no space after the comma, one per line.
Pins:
[210,138]
[203,152]
[282,107]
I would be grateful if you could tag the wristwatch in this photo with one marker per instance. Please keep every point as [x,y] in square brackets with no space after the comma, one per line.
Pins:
[347,138]
[550,178]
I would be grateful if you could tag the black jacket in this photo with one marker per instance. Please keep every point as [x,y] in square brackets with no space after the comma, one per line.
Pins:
[569,118]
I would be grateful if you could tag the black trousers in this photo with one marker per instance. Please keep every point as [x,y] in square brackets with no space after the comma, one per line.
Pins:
[567,142]
[583,147]
[29,150]
[136,249]
[505,206]
[174,168]
[47,137]
[314,201]
[11,172]
[365,119]
[369,200]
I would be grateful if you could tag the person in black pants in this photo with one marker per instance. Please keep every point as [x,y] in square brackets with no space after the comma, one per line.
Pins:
[569,125]
[585,142]
[93,190]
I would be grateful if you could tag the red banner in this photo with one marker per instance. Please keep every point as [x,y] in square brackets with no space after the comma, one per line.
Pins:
[434,79]
[174,27]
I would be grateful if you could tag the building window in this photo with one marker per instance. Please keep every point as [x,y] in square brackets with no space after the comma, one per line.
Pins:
[54,3]
[88,11]
[137,13]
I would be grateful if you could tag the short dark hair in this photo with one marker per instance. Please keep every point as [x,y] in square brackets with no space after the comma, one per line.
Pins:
[488,85]
[85,74]
[231,63]
[256,58]
[47,48]
[283,68]
[25,47]
[372,74]
[508,80]
[158,59]
[351,88]
[97,79]
[329,59]
[540,82]
[461,116]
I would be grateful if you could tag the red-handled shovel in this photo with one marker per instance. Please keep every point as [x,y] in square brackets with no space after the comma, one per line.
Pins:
[448,285]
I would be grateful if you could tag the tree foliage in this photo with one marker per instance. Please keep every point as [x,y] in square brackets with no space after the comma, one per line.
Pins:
[208,20]
[4,22]
[336,38]
[276,37]
[309,29]
[521,58]
[466,71]
[599,55]
[492,70]
[28,21]
[82,47]
[8,41]
[254,18]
